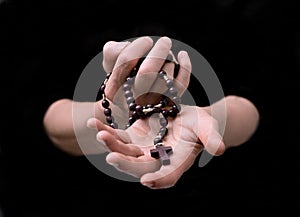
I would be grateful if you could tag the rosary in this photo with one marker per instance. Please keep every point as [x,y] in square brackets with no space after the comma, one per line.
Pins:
[167,107]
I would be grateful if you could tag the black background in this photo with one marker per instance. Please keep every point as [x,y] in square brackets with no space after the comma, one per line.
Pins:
[253,46]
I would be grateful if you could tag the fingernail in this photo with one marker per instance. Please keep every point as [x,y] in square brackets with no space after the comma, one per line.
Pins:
[91,123]
[148,184]
[182,53]
[122,44]
[114,164]
[99,138]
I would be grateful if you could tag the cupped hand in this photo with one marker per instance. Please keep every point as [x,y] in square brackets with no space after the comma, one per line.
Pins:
[193,130]
[120,58]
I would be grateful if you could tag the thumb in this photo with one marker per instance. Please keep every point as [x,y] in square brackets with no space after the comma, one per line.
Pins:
[207,130]
[214,143]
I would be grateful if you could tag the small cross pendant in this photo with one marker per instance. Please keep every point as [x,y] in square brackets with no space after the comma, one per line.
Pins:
[162,152]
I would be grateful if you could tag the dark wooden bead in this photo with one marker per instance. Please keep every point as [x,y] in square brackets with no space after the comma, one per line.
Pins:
[139,109]
[163,103]
[102,88]
[135,115]
[156,110]
[165,113]
[126,87]
[163,131]
[162,73]
[107,112]
[163,122]
[172,113]
[130,80]
[133,72]
[169,83]
[128,93]
[176,99]
[167,101]
[172,91]
[129,100]
[114,125]
[131,120]
[132,106]
[157,140]
[108,75]
[105,103]
[109,119]
[176,108]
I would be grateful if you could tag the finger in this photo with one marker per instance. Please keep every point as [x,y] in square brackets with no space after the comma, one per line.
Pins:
[125,62]
[152,64]
[115,145]
[94,123]
[135,166]
[182,159]
[160,84]
[207,131]
[111,51]
[183,78]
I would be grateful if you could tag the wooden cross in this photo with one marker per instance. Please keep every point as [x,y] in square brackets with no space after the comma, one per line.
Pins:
[162,152]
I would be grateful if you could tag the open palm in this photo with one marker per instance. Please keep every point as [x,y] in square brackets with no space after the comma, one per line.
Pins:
[130,148]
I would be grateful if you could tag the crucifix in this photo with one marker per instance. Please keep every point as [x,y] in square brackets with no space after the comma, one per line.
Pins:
[162,152]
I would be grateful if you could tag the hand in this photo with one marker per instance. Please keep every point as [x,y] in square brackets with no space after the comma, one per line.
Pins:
[130,149]
[121,57]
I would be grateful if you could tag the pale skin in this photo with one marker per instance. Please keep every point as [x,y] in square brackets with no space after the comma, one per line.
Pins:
[129,149]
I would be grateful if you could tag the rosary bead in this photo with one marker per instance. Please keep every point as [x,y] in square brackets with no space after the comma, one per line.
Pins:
[172,113]
[130,100]
[135,115]
[176,108]
[109,119]
[102,88]
[107,112]
[163,121]
[162,103]
[126,87]
[172,91]
[114,125]
[162,73]
[108,75]
[132,106]
[131,120]
[139,109]
[169,83]
[128,93]
[163,131]
[130,80]
[133,72]
[165,113]
[157,140]
[176,99]
[156,110]
[105,103]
